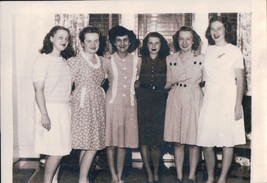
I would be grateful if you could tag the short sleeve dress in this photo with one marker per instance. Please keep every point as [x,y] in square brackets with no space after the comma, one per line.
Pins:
[87,103]
[217,126]
[151,100]
[55,72]
[184,99]
[121,108]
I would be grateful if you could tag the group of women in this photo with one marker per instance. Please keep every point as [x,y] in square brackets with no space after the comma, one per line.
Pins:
[150,99]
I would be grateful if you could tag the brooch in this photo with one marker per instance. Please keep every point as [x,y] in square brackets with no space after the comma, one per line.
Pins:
[221,55]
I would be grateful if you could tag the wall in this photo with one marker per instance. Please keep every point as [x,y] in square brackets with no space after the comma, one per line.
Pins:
[29,32]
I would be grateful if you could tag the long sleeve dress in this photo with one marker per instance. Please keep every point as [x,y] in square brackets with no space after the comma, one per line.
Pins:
[151,100]
[184,99]
[121,107]
[87,103]
[217,125]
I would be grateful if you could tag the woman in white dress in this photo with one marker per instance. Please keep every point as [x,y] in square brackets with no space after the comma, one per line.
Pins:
[52,84]
[221,122]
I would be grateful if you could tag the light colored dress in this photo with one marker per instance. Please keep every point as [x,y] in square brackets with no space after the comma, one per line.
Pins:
[121,108]
[87,103]
[54,71]
[217,126]
[184,99]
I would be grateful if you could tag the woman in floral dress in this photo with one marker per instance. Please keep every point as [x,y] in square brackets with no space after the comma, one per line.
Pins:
[88,101]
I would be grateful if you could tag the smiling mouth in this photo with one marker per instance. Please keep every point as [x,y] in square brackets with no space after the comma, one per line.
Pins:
[154,49]
[63,45]
[216,37]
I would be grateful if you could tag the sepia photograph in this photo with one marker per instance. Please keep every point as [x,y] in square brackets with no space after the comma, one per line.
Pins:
[133,91]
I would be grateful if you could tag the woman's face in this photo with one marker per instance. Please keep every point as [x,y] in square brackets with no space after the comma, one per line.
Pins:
[122,43]
[153,45]
[60,40]
[217,31]
[185,40]
[91,43]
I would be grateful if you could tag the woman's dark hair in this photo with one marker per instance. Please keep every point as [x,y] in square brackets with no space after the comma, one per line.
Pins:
[122,31]
[102,40]
[196,38]
[48,45]
[164,48]
[229,30]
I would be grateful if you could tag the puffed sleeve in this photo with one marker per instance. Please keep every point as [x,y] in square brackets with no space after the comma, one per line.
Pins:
[39,69]
[73,64]
[169,74]
[238,59]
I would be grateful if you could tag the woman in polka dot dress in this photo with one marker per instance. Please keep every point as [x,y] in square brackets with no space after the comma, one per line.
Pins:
[88,101]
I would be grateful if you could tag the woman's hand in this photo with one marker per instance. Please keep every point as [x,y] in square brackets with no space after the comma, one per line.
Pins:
[238,112]
[137,84]
[107,55]
[45,121]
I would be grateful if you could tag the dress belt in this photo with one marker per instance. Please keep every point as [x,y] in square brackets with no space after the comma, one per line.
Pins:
[151,86]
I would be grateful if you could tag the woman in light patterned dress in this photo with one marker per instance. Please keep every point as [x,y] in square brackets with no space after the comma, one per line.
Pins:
[88,101]
[52,85]
[221,121]
[121,109]
[184,75]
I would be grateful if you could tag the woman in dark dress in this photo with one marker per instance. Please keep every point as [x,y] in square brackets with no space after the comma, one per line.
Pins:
[151,100]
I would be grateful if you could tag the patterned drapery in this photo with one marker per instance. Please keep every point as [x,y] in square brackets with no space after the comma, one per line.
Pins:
[75,23]
[244,43]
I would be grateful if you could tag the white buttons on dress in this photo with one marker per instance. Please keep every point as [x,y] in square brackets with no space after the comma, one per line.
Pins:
[124,95]
[123,60]
[124,86]
[124,68]
[125,77]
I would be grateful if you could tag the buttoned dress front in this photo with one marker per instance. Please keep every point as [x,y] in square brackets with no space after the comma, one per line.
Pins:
[121,108]
[87,104]
[151,100]
[184,99]
[217,125]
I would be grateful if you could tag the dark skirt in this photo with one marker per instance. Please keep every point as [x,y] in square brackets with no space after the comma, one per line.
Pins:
[151,105]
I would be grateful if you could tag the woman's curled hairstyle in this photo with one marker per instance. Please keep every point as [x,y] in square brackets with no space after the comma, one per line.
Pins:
[48,45]
[164,48]
[196,39]
[230,36]
[102,39]
[122,31]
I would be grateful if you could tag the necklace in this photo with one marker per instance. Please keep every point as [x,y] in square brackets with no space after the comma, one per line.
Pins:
[95,66]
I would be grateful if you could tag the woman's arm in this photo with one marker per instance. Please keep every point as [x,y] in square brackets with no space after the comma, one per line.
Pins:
[240,77]
[40,99]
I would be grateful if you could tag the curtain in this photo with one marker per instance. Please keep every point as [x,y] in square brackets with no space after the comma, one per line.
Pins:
[75,23]
[244,43]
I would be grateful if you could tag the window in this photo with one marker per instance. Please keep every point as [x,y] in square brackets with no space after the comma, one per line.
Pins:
[165,24]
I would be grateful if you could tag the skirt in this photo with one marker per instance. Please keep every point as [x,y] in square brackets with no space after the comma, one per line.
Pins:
[56,141]
[121,126]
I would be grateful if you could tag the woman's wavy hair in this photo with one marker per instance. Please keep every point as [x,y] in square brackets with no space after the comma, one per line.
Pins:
[48,45]
[196,39]
[164,48]
[102,39]
[230,36]
[122,31]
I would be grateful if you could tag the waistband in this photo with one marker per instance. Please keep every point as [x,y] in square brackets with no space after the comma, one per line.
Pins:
[151,87]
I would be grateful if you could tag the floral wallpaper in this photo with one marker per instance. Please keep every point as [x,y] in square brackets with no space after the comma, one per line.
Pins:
[244,43]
